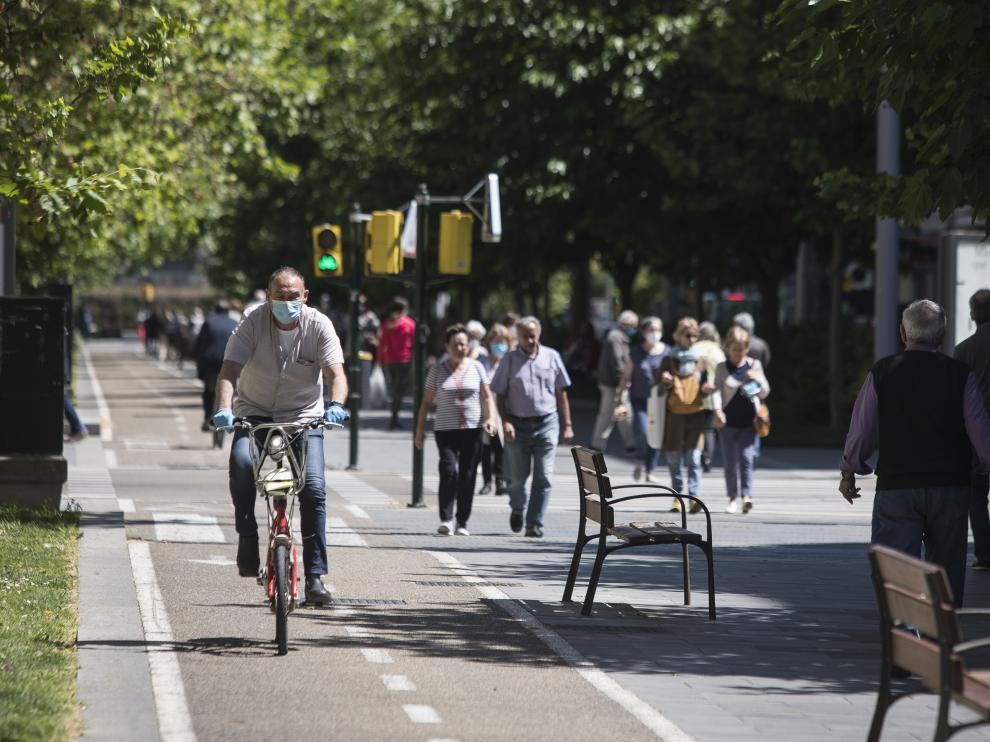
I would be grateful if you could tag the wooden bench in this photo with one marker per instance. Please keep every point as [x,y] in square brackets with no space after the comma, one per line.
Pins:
[597,504]
[913,594]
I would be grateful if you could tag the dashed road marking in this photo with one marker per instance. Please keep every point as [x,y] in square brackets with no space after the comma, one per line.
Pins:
[188,528]
[376,656]
[126,505]
[421,714]
[341,534]
[357,512]
[652,719]
[356,491]
[398,683]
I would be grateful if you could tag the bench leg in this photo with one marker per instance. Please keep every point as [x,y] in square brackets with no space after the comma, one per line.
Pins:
[686,565]
[942,729]
[596,573]
[711,581]
[883,703]
[575,563]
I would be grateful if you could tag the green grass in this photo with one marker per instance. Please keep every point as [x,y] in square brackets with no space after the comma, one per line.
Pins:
[38,621]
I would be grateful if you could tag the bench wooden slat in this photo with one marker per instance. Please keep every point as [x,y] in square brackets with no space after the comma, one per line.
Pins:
[589,483]
[976,690]
[909,576]
[913,610]
[599,512]
[920,656]
[586,458]
[666,533]
[631,535]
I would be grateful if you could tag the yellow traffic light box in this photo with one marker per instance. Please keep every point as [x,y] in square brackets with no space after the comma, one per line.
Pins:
[328,257]
[455,242]
[385,251]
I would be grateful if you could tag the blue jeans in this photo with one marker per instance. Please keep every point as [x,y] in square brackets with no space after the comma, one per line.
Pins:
[648,455]
[312,497]
[738,452]
[937,517]
[692,460]
[75,424]
[534,448]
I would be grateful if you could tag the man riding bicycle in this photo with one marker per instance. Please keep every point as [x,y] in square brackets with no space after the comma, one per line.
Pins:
[286,363]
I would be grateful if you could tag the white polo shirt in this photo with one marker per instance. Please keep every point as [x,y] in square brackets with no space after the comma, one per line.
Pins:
[285,386]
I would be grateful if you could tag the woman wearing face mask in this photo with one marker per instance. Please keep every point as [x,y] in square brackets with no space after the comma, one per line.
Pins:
[497,342]
[642,369]
[740,384]
[687,386]
[464,409]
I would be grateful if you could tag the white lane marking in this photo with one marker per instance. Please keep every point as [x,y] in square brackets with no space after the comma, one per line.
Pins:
[126,505]
[174,721]
[110,456]
[376,656]
[341,534]
[650,717]
[358,632]
[357,512]
[215,560]
[106,426]
[189,528]
[398,683]
[421,714]
[355,490]
[445,739]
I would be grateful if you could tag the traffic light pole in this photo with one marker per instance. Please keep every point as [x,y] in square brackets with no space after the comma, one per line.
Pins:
[422,334]
[357,220]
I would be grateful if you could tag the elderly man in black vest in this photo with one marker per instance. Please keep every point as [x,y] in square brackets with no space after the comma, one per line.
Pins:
[923,412]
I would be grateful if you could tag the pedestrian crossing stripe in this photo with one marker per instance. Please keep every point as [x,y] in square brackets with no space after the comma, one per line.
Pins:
[188,528]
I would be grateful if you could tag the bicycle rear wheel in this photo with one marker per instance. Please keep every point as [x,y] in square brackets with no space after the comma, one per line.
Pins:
[282,598]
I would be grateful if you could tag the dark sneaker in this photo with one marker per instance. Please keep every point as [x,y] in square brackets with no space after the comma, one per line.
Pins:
[247,556]
[501,488]
[316,591]
[534,531]
[516,521]
[486,489]
[747,505]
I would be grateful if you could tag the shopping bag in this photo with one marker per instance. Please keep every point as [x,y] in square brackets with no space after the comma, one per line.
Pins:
[377,391]
[656,414]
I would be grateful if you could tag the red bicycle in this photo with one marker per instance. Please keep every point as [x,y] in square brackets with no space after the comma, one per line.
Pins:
[279,459]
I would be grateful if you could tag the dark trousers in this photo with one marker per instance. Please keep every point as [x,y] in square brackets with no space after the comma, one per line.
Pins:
[209,372]
[979,519]
[491,460]
[459,451]
[904,519]
[397,381]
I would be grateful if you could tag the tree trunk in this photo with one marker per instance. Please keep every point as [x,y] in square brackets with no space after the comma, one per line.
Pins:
[624,273]
[769,325]
[834,320]
[580,295]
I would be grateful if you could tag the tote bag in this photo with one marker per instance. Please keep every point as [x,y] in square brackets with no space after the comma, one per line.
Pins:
[656,414]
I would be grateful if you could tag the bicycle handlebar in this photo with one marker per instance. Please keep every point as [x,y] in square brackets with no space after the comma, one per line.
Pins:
[316,422]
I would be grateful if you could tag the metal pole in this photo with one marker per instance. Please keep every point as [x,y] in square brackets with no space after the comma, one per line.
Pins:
[357,273]
[8,247]
[886,276]
[422,333]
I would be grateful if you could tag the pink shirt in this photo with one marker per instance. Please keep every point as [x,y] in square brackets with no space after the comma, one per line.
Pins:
[396,342]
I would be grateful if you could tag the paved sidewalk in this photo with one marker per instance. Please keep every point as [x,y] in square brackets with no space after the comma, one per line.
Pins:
[792,656]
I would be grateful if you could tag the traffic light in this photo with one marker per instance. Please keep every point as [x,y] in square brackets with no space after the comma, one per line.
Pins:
[328,259]
[455,242]
[386,252]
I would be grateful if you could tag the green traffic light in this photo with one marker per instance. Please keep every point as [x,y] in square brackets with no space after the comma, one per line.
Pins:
[328,263]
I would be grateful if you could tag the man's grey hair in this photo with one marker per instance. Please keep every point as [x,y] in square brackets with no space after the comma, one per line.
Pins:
[475,329]
[526,321]
[628,318]
[708,331]
[924,322]
[745,320]
[647,321]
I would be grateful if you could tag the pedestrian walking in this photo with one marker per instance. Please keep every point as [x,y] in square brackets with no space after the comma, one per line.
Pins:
[395,354]
[611,365]
[208,353]
[758,347]
[531,387]
[740,384]
[710,351]
[687,385]
[464,410]
[974,351]
[492,449]
[476,335]
[640,376]
[923,411]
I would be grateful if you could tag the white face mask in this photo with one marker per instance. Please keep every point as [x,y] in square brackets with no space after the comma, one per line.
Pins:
[656,337]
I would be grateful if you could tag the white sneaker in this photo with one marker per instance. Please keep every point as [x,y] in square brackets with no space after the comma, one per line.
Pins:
[747,505]
[637,472]
[446,528]
[649,477]
[732,507]
[462,531]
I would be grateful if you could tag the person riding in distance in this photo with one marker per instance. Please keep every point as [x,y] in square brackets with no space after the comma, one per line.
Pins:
[286,363]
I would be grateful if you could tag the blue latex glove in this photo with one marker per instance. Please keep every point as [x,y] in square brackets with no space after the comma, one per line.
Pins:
[223,419]
[336,413]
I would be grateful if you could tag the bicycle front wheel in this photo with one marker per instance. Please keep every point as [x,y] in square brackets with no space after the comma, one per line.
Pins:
[282,597]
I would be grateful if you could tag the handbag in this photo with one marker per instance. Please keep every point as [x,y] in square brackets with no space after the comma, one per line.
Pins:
[761,423]
[656,415]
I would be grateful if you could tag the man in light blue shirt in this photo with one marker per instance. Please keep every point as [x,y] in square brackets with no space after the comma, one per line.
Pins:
[530,386]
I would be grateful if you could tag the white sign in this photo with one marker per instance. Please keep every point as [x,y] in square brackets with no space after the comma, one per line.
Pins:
[972,274]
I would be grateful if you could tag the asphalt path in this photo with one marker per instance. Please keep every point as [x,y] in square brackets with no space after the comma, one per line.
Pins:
[465,638]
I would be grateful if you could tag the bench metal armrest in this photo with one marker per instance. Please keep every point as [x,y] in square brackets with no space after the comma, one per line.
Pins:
[973,611]
[665,492]
[971,645]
